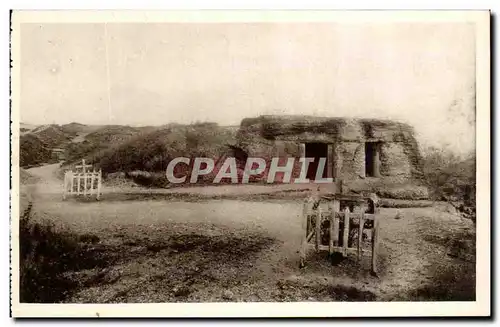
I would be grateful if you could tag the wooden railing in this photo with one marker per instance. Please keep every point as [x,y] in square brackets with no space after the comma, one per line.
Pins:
[341,225]
[85,183]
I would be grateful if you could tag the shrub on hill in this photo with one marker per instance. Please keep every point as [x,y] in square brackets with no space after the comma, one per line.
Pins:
[97,141]
[152,152]
[75,128]
[452,178]
[52,135]
[33,151]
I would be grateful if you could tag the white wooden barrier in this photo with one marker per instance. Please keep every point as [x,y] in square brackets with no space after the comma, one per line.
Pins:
[86,183]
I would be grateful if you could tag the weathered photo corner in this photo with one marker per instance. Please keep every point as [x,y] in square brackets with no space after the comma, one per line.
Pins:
[250,161]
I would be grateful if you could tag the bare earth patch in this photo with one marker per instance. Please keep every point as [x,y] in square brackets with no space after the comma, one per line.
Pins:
[157,250]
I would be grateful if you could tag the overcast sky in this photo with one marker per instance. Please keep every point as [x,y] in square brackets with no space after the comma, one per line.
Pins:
[153,74]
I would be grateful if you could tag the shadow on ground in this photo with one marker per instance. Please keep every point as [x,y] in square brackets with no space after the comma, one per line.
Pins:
[46,254]
[453,278]
[56,264]
[191,197]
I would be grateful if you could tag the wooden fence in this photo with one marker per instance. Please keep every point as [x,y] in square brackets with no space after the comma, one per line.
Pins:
[82,183]
[341,226]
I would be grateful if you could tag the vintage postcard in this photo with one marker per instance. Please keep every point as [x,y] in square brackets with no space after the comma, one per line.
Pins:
[250,163]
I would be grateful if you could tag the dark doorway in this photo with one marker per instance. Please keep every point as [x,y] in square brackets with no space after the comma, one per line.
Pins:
[316,151]
[371,157]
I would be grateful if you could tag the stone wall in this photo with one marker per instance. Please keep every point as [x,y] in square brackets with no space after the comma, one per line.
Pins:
[394,161]
[351,156]
[399,158]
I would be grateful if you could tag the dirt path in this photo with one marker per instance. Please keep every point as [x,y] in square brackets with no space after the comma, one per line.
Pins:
[48,183]
[51,184]
[227,250]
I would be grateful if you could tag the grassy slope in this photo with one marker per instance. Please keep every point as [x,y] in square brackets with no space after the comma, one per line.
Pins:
[157,251]
[150,153]
[75,128]
[36,145]
[97,141]
[33,151]
[47,251]
[52,135]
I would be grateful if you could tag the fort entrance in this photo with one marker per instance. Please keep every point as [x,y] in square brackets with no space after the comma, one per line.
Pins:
[317,151]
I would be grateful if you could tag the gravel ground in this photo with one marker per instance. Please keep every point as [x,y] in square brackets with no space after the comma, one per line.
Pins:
[157,250]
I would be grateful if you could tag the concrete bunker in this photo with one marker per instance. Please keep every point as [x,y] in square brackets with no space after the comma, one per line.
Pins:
[363,152]
[317,151]
[372,159]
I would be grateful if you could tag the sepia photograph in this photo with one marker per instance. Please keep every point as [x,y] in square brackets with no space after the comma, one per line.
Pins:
[250,163]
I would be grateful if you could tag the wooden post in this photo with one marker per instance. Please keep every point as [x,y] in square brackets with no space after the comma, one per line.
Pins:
[336,205]
[332,215]
[83,166]
[72,183]
[360,236]
[92,182]
[336,222]
[318,228]
[78,184]
[305,224]
[85,176]
[345,240]
[99,184]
